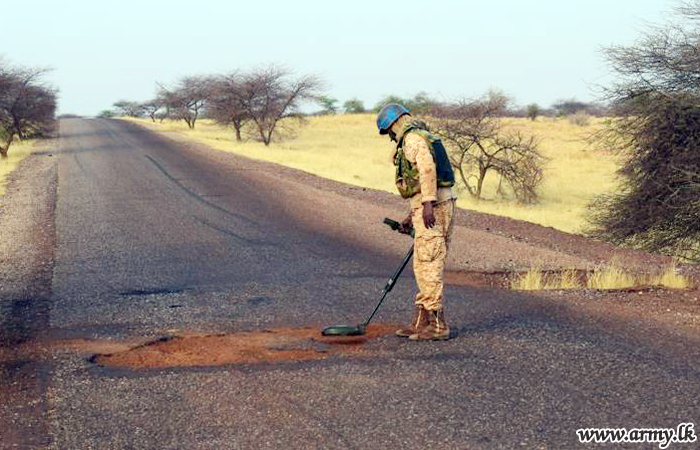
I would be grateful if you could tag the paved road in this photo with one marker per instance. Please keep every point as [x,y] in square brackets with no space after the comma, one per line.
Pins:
[153,239]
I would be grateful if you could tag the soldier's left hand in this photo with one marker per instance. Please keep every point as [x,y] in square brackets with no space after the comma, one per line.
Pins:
[428,215]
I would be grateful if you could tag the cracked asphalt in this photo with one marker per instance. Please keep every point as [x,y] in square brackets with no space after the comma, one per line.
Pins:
[152,238]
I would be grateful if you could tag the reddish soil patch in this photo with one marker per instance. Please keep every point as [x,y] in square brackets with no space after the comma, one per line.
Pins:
[275,345]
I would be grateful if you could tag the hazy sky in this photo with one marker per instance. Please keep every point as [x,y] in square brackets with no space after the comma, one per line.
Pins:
[534,50]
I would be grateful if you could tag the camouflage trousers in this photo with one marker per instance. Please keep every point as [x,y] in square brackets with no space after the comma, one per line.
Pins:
[430,252]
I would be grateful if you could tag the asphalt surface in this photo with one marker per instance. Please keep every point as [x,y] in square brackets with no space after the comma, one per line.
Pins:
[154,239]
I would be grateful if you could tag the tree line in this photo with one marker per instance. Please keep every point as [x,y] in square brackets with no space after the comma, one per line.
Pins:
[27,105]
[265,103]
[423,103]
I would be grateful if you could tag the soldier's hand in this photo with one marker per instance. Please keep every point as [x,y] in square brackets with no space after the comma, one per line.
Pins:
[428,215]
[406,224]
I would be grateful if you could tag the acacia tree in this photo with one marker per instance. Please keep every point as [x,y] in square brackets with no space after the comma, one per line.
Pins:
[354,106]
[151,108]
[569,107]
[187,99]
[228,102]
[477,144]
[533,110]
[329,105]
[272,100]
[128,108]
[27,105]
[656,101]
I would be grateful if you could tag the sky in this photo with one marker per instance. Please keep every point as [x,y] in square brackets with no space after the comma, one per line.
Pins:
[535,51]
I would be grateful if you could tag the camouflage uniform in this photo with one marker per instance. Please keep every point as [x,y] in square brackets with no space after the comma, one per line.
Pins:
[430,244]
[430,252]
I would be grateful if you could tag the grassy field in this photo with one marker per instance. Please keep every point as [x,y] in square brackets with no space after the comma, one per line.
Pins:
[347,148]
[17,152]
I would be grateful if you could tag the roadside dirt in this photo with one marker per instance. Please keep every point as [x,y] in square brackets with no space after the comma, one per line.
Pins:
[26,261]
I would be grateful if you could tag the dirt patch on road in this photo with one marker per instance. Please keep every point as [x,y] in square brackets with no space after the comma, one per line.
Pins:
[203,350]
[254,347]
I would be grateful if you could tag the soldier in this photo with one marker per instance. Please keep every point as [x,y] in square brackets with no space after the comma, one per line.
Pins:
[423,176]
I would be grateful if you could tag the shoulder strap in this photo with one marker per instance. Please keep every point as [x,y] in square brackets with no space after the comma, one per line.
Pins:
[414,125]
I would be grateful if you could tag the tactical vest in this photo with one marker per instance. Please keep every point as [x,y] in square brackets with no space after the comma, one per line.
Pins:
[407,176]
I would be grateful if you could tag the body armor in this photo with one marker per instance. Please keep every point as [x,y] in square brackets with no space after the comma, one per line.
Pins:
[407,176]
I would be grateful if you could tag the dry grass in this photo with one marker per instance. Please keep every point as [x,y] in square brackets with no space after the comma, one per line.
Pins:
[610,276]
[18,151]
[535,279]
[532,280]
[347,148]
[671,279]
[569,280]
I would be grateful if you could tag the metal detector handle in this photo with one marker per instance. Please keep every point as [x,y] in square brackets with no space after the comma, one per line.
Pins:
[390,284]
[396,226]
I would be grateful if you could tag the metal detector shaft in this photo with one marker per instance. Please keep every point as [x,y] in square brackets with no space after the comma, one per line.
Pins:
[390,284]
[347,330]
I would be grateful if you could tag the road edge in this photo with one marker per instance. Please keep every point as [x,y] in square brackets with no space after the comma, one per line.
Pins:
[27,243]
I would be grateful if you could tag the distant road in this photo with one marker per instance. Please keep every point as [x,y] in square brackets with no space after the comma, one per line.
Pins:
[154,239]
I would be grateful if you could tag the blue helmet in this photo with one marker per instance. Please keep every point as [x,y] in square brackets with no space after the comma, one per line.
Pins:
[388,115]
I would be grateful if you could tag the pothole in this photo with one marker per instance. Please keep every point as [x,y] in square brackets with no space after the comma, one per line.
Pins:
[254,347]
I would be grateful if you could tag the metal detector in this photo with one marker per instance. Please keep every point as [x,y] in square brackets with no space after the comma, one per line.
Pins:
[358,330]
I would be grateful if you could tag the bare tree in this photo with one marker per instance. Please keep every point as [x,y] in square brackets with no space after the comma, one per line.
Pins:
[477,144]
[656,128]
[7,83]
[273,98]
[187,99]
[228,103]
[27,105]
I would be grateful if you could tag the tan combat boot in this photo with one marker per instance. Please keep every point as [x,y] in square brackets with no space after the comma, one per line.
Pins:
[418,324]
[437,329]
